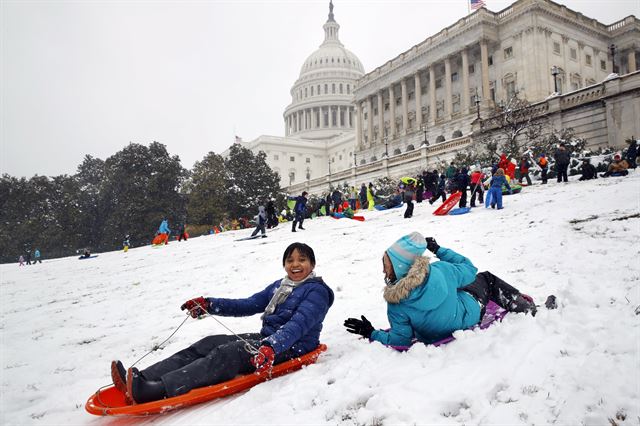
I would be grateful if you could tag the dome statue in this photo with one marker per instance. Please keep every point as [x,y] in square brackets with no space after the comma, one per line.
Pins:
[321,98]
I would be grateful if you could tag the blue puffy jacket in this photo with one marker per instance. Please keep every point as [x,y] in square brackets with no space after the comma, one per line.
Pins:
[428,304]
[499,182]
[295,324]
[301,205]
[164,227]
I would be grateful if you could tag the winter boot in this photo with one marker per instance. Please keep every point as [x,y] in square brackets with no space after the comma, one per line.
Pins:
[142,390]
[522,303]
[119,376]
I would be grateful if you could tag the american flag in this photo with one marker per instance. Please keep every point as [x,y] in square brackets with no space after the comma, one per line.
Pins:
[477,4]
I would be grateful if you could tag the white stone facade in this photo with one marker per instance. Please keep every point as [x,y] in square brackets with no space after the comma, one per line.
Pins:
[435,90]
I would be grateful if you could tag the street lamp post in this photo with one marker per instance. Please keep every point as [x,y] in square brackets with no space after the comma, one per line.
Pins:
[329,163]
[477,102]
[554,72]
[386,147]
[424,129]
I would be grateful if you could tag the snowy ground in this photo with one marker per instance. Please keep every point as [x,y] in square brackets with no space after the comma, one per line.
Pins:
[63,321]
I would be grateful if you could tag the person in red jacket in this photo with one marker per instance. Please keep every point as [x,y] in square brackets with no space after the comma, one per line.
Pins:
[476,187]
[511,169]
[503,163]
[524,170]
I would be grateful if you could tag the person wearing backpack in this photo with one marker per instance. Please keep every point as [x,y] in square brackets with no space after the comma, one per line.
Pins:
[544,168]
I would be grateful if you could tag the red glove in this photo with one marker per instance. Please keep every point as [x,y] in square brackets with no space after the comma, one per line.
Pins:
[263,360]
[198,306]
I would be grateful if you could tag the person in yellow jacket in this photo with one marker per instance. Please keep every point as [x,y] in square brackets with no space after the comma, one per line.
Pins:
[370,199]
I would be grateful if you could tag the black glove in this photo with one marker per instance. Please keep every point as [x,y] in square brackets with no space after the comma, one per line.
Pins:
[432,245]
[362,327]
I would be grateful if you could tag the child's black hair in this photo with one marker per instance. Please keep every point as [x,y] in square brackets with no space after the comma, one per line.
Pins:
[302,249]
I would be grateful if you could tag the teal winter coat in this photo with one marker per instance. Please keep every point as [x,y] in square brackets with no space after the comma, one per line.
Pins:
[428,304]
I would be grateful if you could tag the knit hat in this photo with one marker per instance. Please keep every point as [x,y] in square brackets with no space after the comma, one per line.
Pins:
[405,251]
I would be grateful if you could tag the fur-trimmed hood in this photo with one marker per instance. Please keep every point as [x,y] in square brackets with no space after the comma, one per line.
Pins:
[416,276]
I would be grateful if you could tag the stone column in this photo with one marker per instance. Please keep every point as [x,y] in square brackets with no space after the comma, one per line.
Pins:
[369,121]
[405,106]
[359,126]
[631,59]
[432,93]
[338,120]
[380,116]
[465,82]
[392,113]
[418,95]
[286,126]
[313,118]
[484,59]
[447,88]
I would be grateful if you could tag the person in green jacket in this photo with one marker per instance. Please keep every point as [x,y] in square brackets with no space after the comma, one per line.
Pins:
[429,301]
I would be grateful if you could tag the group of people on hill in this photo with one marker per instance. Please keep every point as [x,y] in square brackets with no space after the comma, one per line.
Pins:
[26,258]
[425,303]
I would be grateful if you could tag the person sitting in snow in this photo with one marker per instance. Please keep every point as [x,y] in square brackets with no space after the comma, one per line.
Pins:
[588,170]
[429,301]
[618,167]
[293,307]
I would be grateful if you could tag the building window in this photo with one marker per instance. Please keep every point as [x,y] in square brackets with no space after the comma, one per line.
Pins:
[276,157]
[472,68]
[375,112]
[410,96]
[311,90]
[308,160]
[292,159]
[305,92]
[438,83]
[398,101]
[556,47]
[508,53]
[386,106]
[454,76]
[603,65]
[340,88]
[574,53]
[587,59]
[326,89]
[490,60]
[333,88]
[348,89]
[318,89]
[511,89]
[455,103]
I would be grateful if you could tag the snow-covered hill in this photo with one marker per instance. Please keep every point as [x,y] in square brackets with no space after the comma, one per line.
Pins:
[63,321]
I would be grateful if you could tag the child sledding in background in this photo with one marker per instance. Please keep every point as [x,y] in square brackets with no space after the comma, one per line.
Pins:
[494,195]
[294,308]
[427,301]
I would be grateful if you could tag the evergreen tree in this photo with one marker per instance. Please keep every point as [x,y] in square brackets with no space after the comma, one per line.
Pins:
[206,191]
[250,182]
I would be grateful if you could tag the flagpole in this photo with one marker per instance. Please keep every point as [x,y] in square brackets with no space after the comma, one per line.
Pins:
[468,7]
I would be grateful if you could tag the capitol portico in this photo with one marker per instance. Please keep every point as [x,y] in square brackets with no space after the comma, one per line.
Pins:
[422,106]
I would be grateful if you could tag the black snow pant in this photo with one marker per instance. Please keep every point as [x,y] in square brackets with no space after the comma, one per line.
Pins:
[562,172]
[463,198]
[487,287]
[298,219]
[409,211]
[437,195]
[259,228]
[212,360]
[477,190]
[543,175]
[525,176]
[419,195]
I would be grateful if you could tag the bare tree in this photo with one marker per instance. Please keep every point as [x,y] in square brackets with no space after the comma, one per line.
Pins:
[514,126]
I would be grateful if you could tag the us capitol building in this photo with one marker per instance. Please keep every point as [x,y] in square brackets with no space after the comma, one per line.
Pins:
[419,108]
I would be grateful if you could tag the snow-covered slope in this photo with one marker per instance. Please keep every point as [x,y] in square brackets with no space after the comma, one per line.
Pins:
[63,321]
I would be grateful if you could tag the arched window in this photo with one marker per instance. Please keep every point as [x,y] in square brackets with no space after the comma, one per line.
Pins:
[333,88]
[397,151]
[340,88]
[305,92]
[374,158]
[318,89]
[440,139]
[311,90]
[348,89]
[457,134]
[326,89]
[410,147]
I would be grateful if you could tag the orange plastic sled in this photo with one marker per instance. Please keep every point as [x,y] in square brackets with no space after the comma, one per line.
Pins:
[448,204]
[111,402]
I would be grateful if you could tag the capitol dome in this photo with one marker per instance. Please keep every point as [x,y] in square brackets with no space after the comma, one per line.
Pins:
[321,98]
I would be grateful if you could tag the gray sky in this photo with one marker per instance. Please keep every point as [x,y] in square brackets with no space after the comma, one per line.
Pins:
[88,77]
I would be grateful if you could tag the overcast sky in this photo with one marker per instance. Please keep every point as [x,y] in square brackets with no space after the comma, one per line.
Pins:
[88,77]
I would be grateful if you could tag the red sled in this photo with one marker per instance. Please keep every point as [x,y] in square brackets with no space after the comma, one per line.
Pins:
[448,204]
[111,402]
